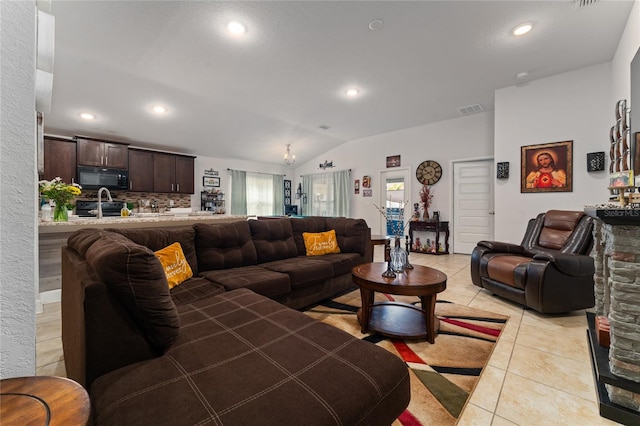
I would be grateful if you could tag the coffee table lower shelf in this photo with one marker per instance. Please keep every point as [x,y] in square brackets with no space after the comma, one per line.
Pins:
[398,320]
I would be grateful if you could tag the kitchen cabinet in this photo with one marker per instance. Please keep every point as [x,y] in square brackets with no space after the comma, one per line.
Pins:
[59,159]
[97,153]
[173,173]
[141,170]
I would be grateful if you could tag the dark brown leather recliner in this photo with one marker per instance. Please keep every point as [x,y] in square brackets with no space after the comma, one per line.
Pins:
[550,271]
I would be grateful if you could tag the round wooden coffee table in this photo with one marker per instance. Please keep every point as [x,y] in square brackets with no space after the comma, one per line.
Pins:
[43,400]
[396,319]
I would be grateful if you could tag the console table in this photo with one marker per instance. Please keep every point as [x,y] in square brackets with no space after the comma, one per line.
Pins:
[430,247]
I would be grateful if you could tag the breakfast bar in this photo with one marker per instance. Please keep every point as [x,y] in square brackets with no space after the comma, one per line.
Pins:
[52,236]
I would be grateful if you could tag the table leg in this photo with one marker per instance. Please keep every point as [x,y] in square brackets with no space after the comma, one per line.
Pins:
[366,298]
[429,309]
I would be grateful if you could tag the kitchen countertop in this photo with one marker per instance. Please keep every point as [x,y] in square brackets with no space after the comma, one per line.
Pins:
[148,220]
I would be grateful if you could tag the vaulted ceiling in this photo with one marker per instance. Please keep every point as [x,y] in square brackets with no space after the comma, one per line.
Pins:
[284,81]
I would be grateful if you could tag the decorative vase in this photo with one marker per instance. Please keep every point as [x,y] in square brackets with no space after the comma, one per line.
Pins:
[425,215]
[398,257]
[60,213]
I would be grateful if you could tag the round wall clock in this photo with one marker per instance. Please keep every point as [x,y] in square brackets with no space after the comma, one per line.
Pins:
[428,172]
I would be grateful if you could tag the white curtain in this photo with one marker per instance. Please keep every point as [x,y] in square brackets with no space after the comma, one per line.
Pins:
[327,194]
[260,194]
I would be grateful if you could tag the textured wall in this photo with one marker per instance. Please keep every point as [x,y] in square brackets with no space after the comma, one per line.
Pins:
[18,233]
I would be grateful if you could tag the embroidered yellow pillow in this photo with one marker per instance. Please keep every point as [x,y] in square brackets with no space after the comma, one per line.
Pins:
[318,244]
[175,265]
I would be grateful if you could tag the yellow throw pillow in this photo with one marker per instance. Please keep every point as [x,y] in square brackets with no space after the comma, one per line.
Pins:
[318,244]
[175,265]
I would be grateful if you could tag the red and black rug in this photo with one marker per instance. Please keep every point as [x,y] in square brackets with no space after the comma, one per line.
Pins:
[443,374]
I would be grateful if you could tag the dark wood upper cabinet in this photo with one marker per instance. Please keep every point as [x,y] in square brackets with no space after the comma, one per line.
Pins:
[141,170]
[184,175]
[173,173]
[59,159]
[97,153]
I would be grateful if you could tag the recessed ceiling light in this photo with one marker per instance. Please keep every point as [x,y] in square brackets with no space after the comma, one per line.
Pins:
[352,92]
[159,109]
[522,29]
[236,28]
[87,116]
[376,24]
[522,75]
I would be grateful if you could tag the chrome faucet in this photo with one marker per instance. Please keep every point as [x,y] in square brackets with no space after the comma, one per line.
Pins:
[99,211]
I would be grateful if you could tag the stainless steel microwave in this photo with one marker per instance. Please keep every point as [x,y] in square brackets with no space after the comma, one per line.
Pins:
[97,177]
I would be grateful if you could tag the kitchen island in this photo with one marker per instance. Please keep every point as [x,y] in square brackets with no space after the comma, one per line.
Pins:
[52,236]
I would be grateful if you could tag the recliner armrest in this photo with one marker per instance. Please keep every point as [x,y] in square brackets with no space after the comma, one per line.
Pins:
[575,265]
[501,247]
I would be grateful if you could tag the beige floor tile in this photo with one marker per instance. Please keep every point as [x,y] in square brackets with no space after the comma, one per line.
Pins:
[501,355]
[501,421]
[472,415]
[50,312]
[490,302]
[564,343]
[553,370]
[576,320]
[487,391]
[526,402]
[48,330]
[48,352]
[511,329]
[54,369]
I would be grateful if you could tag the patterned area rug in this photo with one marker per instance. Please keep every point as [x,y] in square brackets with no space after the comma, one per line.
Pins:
[443,374]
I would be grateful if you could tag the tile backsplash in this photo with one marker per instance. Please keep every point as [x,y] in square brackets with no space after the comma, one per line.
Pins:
[163,199]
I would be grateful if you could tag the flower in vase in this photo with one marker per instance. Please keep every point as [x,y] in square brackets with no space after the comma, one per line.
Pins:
[426,197]
[58,191]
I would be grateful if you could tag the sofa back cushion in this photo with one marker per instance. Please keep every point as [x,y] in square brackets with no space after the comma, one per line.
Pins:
[306,224]
[224,245]
[157,239]
[350,234]
[134,274]
[273,239]
[558,227]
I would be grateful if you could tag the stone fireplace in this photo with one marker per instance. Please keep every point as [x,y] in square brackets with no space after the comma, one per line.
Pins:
[617,289]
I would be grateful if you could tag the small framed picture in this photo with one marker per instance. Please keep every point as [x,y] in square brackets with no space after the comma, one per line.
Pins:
[393,161]
[367,192]
[356,186]
[211,181]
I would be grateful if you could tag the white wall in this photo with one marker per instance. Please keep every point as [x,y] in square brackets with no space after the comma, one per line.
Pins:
[18,204]
[627,48]
[571,106]
[445,141]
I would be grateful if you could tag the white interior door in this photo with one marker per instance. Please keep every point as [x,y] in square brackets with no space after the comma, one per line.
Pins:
[473,213]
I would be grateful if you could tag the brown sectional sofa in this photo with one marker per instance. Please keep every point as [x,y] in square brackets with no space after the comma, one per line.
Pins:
[224,347]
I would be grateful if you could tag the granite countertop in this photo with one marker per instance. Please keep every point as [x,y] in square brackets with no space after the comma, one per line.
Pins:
[614,214]
[145,220]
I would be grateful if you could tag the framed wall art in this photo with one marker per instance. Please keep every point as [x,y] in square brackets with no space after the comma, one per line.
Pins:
[356,186]
[502,170]
[547,167]
[210,181]
[393,161]
[366,181]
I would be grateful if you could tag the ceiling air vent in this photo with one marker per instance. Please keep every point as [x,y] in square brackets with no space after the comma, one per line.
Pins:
[470,109]
[583,3]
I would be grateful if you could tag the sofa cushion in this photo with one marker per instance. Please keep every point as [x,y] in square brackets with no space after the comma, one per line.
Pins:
[137,278]
[342,263]
[157,239]
[224,245]
[306,224]
[176,268]
[193,289]
[302,270]
[243,359]
[273,239]
[255,278]
[82,239]
[350,234]
[320,243]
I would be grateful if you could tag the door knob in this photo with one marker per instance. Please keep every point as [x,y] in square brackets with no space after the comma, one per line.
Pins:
[492,213]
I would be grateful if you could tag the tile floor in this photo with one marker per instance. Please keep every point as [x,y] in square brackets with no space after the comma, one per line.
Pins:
[539,373]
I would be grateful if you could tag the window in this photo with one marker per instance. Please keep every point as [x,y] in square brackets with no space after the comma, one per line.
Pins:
[256,194]
[327,194]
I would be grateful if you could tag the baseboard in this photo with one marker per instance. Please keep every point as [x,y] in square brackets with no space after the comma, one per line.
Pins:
[51,296]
